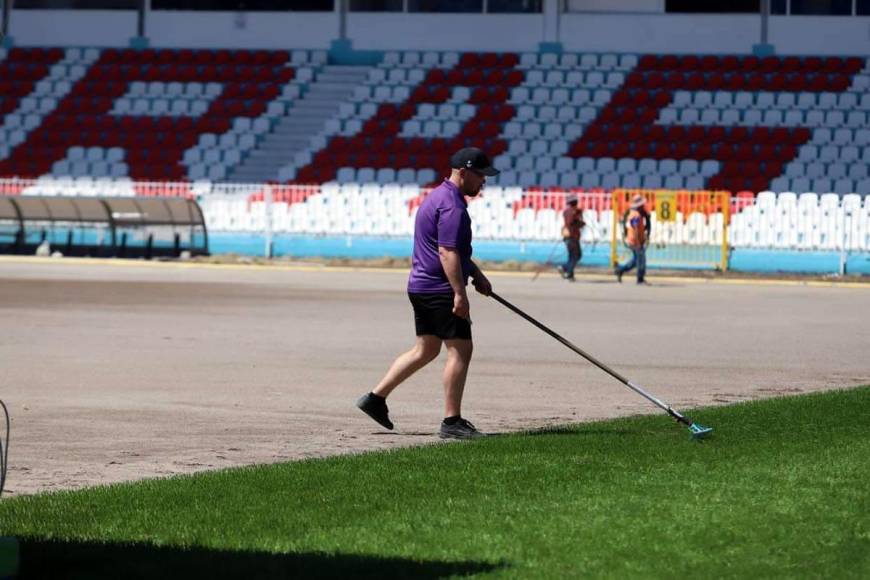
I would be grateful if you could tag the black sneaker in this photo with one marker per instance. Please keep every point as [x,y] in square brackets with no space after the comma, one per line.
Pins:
[376,408]
[618,273]
[462,429]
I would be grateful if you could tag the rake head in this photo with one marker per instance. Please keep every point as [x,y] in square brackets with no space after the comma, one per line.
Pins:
[699,431]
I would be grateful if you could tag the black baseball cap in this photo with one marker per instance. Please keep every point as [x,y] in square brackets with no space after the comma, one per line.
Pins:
[474,159]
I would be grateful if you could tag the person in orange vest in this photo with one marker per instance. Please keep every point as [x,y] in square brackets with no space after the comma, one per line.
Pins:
[573,222]
[635,229]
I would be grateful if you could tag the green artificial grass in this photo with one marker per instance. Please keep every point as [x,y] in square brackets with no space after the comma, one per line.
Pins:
[782,489]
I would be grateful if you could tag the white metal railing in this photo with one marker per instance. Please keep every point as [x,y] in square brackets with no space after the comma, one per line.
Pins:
[783,221]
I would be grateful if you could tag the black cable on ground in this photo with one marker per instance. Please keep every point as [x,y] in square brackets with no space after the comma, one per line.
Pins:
[4,449]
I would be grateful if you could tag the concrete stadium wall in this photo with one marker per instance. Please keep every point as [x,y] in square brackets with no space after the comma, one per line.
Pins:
[577,32]
[493,32]
[72,27]
[712,34]
[247,30]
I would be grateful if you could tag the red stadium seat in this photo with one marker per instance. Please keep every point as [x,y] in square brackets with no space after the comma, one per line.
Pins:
[469,60]
[509,60]
[812,64]
[648,62]
[494,77]
[710,63]
[689,63]
[489,60]
[790,64]
[669,62]
[513,78]
[473,78]
[436,76]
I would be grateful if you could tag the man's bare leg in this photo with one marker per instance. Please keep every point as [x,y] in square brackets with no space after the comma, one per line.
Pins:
[455,371]
[406,364]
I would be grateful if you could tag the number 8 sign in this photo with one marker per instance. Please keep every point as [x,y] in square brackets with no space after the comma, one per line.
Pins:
[666,210]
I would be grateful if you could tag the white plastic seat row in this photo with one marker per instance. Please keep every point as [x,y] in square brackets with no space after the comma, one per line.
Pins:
[843,136]
[562,113]
[68,71]
[381,93]
[396,76]
[663,167]
[315,57]
[24,122]
[82,54]
[291,92]
[587,61]
[411,59]
[445,111]
[854,119]
[229,154]
[175,89]
[805,101]
[839,186]
[345,127]
[86,168]
[834,170]
[159,107]
[430,128]
[532,130]
[537,147]
[385,175]
[573,79]
[832,153]
[237,137]
[113,154]
[12,136]
[51,87]
[625,166]
[593,179]
[769,118]
[37,105]
[559,96]
[213,172]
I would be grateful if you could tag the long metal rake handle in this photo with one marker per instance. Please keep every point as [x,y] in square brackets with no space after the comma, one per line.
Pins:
[636,388]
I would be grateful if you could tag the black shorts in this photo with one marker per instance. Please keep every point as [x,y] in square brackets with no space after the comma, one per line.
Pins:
[433,314]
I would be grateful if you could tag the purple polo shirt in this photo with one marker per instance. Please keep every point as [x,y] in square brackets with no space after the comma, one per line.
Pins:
[442,220]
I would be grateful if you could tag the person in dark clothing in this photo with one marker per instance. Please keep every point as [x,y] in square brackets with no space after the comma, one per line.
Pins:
[440,268]
[572,224]
[636,231]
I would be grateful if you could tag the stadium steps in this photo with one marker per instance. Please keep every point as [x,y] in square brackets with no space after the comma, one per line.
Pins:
[332,86]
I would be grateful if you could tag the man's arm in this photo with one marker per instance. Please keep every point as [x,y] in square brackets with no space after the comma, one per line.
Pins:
[648,228]
[481,282]
[452,265]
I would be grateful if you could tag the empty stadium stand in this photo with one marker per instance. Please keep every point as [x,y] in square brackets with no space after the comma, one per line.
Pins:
[567,121]
[146,114]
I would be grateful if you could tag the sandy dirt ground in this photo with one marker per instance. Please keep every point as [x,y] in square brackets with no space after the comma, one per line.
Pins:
[118,371]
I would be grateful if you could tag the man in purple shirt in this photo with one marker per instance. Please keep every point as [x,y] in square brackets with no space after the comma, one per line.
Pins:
[440,268]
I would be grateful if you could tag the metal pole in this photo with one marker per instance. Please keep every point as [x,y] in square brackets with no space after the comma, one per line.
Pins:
[7,9]
[765,13]
[342,19]
[843,243]
[268,199]
[140,21]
